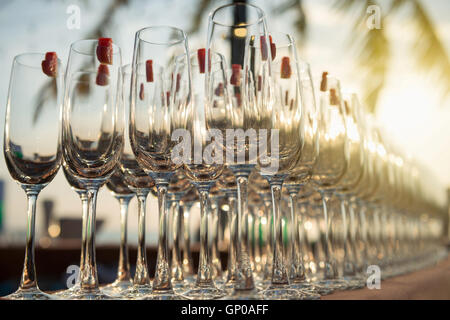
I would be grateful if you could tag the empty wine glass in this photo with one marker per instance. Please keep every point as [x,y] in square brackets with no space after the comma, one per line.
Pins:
[232,29]
[141,184]
[156,111]
[288,129]
[298,178]
[350,182]
[203,168]
[330,165]
[92,135]
[32,143]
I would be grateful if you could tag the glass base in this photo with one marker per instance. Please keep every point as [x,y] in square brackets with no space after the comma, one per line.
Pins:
[354,283]
[117,288]
[163,295]
[66,294]
[181,286]
[263,284]
[282,292]
[243,295]
[137,292]
[310,291]
[332,284]
[204,293]
[228,286]
[30,294]
[95,294]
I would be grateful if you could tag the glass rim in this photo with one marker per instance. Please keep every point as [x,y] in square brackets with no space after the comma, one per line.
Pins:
[18,60]
[116,48]
[174,42]
[260,19]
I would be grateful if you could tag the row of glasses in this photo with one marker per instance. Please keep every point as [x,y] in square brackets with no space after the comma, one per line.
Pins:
[181,106]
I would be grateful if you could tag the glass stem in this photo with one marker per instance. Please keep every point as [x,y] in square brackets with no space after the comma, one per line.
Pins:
[28,279]
[348,261]
[162,274]
[297,273]
[354,237]
[215,253]
[188,268]
[89,279]
[330,271]
[279,271]
[84,216]
[123,270]
[244,268]
[364,237]
[269,237]
[204,275]
[141,276]
[233,245]
[177,223]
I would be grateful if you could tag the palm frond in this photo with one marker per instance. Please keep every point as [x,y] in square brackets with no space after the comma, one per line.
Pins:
[372,51]
[428,50]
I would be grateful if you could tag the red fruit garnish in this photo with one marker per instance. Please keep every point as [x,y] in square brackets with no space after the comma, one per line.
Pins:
[102,75]
[286,97]
[235,74]
[259,83]
[149,70]
[263,43]
[177,85]
[201,53]
[219,90]
[238,99]
[334,100]
[141,92]
[51,56]
[50,64]
[273,48]
[168,97]
[286,70]
[323,82]
[105,42]
[105,50]
[291,106]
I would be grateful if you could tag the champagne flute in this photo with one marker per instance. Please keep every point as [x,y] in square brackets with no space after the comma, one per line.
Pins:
[119,189]
[330,165]
[349,182]
[299,176]
[288,128]
[231,29]
[32,144]
[141,184]
[156,111]
[92,136]
[203,168]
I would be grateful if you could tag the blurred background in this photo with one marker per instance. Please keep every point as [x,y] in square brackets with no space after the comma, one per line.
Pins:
[394,53]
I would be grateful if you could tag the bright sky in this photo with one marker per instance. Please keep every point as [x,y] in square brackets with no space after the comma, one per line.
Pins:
[410,107]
